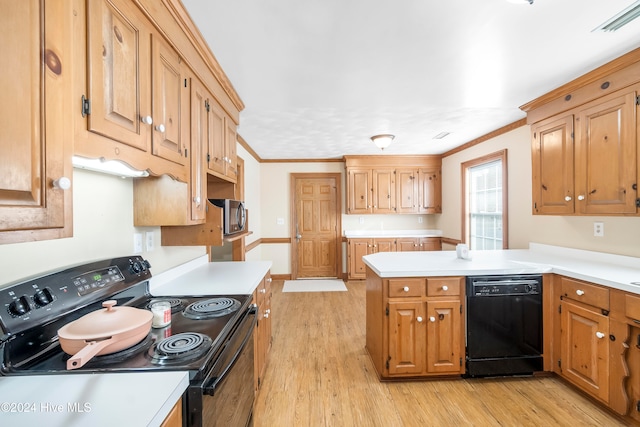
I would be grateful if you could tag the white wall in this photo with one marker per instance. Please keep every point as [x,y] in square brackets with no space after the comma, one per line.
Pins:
[622,234]
[102,228]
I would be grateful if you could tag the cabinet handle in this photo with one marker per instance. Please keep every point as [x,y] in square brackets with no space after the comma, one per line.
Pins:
[160,128]
[581,197]
[580,292]
[568,198]
[600,335]
[263,291]
[196,200]
[445,288]
[432,319]
[266,315]
[406,289]
[62,183]
[419,319]
[268,311]
[147,120]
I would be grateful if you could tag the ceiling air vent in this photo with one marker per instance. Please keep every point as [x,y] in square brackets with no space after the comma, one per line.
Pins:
[621,19]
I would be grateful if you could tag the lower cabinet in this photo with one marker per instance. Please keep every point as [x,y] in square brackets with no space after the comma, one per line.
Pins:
[262,335]
[415,325]
[174,419]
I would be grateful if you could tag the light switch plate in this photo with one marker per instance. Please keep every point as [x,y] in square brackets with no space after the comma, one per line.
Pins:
[149,240]
[137,243]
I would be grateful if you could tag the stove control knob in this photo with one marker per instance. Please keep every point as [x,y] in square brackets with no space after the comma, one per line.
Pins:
[135,267]
[20,306]
[43,297]
[146,263]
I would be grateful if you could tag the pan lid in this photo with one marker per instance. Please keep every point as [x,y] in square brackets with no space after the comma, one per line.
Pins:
[106,322]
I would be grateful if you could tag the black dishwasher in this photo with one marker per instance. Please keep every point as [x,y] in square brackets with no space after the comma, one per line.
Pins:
[504,325]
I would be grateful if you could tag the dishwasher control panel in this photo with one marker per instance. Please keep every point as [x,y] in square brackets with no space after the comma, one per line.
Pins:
[486,286]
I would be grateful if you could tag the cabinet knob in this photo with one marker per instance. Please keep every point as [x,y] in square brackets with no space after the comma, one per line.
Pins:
[445,288]
[269,280]
[268,311]
[147,120]
[581,197]
[432,319]
[406,289]
[266,315]
[568,198]
[419,319]
[580,292]
[600,335]
[62,183]
[196,200]
[160,128]
[263,291]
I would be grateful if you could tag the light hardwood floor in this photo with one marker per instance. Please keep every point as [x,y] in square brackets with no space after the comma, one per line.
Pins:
[319,374]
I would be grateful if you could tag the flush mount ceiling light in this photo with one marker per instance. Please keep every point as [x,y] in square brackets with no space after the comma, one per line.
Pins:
[382,141]
[621,19]
[111,167]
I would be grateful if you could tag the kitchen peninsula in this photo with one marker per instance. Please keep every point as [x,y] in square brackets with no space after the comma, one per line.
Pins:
[416,314]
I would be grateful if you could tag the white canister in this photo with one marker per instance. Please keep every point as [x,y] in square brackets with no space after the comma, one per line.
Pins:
[462,251]
[161,314]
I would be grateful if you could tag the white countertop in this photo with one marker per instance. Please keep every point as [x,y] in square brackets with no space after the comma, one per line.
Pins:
[365,234]
[615,271]
[200,277]
[115,399]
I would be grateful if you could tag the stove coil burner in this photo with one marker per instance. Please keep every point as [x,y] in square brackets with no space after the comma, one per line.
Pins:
[210,308]
[176,303]
[184,347]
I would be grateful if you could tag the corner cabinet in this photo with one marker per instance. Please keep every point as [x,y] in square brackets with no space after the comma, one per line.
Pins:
[584,144]
[35,139]
[393,184]
[415,326]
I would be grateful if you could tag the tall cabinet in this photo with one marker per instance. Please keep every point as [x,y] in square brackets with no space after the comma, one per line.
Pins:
[36,141]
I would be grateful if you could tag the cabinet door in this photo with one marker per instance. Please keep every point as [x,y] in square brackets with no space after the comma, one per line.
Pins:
[407,337]
[199,140]
[231,170]
[585,349]
[35,137]
[359,191]
[384,191]
[384,245]
[430,191]
[357,249]
[444,349]
[406,191]
[430,244]
[406,244]
[552,166]
[167,90]
[118,72]
[606,156]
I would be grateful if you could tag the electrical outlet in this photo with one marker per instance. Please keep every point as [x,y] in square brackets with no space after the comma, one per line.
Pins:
[361,220]
[598,229]
[137,243]
[419,220]
[149,240]
[280,221]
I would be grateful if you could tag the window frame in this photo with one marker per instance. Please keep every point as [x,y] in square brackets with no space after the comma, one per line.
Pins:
[464,167]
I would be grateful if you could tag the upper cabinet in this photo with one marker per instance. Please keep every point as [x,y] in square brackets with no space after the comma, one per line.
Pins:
[221,159]
[393,184]
[585,143]
[35,138]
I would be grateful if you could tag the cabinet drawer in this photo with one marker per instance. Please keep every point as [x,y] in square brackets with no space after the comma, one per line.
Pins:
[586,293]
[444,286]
[406,288]
[632,306]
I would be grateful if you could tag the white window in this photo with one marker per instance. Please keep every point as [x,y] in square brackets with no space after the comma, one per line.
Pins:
[485,201]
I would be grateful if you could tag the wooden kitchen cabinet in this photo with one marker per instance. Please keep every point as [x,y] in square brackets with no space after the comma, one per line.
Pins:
[415,325]
[584,337]
[262,335]
[174,419]
[221,159]
[393,184]
[585,143]
[36,141]
[131,95]
[357,248]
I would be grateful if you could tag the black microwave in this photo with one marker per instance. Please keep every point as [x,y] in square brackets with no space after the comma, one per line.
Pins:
[234,216]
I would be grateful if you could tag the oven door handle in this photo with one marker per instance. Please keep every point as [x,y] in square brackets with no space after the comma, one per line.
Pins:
[210,386]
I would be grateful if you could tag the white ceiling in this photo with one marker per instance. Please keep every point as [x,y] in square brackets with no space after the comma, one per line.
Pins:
[320,77]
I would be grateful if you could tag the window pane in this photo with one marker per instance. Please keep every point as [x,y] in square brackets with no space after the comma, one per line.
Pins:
[485,206]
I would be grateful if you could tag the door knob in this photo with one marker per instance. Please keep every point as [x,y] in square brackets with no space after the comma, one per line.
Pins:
[62,183]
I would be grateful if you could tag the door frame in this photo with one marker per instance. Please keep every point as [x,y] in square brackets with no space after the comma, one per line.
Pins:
[337,177]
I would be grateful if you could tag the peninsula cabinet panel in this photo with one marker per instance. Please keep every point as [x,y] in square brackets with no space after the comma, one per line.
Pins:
[444,346]
[35,139]
[585,349]
[407,338]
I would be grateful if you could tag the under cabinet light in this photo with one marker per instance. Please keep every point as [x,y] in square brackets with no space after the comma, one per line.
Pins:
[621,19]
[111,167]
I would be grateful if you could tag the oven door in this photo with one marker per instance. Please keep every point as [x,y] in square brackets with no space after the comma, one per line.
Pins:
[225,397]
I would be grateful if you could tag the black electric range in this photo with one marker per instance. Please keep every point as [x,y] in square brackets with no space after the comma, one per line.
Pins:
[207,335]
